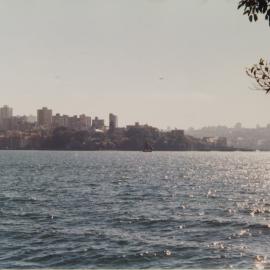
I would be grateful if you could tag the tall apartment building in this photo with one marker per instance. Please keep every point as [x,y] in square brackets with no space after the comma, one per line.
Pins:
[98,123]
[44,117]
[60,120]
[85,121]
[82,122]
[74,122]
[113,121]
[6,112]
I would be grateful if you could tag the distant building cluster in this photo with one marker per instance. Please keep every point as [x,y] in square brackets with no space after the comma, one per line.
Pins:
[10,122]
[238,136]
[46,120]
[47,130]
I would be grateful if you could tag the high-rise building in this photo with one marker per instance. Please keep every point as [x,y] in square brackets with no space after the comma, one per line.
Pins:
[60,120]
[85,122]
[44,117]
[5,117]
[113,121]
[98,123]
[82,122]
[74,122]
[6,112]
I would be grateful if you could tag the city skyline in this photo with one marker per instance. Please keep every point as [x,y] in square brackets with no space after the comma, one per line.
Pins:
[82,57]
[59,126]
[112,118]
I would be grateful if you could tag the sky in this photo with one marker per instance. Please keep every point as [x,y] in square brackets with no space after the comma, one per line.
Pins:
[167,63]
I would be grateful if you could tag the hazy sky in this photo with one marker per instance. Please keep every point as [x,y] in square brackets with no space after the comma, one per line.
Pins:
[167,63]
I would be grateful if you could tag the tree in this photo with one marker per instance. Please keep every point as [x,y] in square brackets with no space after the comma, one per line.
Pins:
[260,72]
[253,8]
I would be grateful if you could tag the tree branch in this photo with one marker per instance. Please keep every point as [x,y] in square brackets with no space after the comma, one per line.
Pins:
[261,73]
[253,8]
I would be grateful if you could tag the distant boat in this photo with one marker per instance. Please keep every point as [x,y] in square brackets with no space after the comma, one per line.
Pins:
[147,147]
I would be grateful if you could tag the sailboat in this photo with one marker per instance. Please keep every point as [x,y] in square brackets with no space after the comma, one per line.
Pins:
[147,147]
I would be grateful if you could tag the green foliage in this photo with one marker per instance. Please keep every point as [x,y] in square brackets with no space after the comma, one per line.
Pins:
[253,8]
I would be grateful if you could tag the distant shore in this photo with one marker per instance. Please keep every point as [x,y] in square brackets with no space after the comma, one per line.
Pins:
[132,150]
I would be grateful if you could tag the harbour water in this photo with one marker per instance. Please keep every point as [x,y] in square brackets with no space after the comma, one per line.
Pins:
[134,210]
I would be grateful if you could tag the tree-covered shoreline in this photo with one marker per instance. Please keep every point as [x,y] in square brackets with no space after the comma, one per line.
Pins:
[122,139]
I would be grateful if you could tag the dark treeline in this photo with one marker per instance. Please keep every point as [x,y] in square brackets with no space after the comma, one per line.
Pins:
[132,138]
[123,139]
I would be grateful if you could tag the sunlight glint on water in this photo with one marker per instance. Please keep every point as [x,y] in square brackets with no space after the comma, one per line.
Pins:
[134,210]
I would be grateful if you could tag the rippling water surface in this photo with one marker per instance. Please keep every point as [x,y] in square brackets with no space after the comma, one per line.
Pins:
[134,210]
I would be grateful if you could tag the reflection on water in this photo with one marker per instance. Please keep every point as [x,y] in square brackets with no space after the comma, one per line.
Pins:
[134,210]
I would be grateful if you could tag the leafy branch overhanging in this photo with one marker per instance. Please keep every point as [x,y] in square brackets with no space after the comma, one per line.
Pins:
[260,72]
